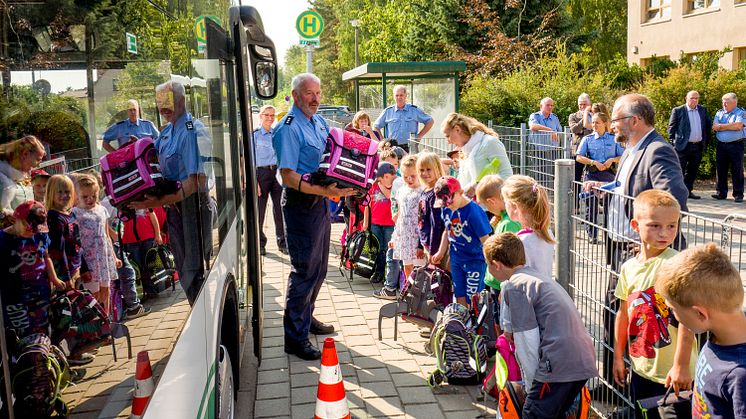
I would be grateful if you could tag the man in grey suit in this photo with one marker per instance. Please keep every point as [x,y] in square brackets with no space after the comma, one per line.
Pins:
[649,162]
[689,131]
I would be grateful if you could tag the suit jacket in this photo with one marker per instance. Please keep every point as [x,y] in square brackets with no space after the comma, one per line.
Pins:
[656,166]
[679,128]
[575,122]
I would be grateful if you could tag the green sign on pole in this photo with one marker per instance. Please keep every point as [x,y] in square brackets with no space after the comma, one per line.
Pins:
[131,43]
[309,24]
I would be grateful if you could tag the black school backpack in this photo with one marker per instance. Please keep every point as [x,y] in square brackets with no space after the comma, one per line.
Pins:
[160,267]
[77,319]
[363,248]
[40,372]
[426,289]
[460,353]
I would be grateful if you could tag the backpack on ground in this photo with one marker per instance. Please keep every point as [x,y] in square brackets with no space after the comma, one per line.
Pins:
[77,320]
[426,289]
[133,171]
[40,372]
[484,311]
[460,353]
[160,267]
[349,160]
[363,248]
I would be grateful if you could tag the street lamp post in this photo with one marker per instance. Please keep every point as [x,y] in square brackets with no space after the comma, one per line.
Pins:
[356,24]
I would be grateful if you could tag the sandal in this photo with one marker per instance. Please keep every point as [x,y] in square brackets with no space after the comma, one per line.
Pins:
[82,359]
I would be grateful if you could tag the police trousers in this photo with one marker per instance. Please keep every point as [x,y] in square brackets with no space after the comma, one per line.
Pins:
[184,238]
[307,231]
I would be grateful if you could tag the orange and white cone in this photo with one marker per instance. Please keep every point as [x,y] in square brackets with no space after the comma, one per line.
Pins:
[331,402]
[143,385]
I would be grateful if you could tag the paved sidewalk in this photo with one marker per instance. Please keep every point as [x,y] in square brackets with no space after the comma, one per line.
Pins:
[382,378]
[106,390]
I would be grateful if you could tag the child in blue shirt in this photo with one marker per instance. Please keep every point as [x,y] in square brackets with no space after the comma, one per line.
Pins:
[466,228]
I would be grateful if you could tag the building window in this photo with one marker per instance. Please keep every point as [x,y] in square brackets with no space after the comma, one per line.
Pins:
[659,9]
[695,5]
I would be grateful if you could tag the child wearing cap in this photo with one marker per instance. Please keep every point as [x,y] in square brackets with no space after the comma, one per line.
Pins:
[39,179]
[466,228]
[378,214]
[27,271]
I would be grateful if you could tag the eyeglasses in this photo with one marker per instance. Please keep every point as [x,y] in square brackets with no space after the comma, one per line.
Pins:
[622,117]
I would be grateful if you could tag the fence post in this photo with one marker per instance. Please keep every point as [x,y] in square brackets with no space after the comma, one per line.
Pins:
[412,139]
[568,143]
[524,140]
[564,173]
[489,124]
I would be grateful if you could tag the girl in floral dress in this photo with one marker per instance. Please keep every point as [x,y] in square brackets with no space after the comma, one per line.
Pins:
[97,248]
[406,240]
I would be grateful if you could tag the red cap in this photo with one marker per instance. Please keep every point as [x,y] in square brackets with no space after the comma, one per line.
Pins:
[445,189]
[39,172]
[34,214]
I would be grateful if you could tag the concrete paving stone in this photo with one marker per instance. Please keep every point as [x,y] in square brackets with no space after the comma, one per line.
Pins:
[305,410]
[347,305]
[160,333]
[373,375]
[393,354]
[272,407]
[366,350]
[141,331]
[271,377]
[416,395]
[354,341]
[360,330]
[418,411]
[470,414]
[351,313]
[298,366]
[272,323]
[273,352]
[274,341]
[303,395]
[404,365]
[305,379]
[378,389]
[367,361]
[114,409]
[402,380]
[124,392]
[92,404]
[158,344]
[273,331]
[455,402]
[274,364]
[272,391]
[99,389]
[384,407]
[344,357]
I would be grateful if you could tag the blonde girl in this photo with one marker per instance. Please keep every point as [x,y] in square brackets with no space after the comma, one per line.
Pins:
[17,158]
[97,247]
[64,231]
[405,240]
[527,202]
[430,223]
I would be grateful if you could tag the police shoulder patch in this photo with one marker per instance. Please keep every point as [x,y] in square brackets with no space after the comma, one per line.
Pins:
[289,119]
[189,125]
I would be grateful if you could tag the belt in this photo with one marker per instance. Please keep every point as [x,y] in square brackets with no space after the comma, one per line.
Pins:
[271,167]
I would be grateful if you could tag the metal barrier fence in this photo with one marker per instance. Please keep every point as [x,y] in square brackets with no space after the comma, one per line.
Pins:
[589,253]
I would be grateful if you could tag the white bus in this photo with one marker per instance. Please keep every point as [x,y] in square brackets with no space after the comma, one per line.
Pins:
[68,70]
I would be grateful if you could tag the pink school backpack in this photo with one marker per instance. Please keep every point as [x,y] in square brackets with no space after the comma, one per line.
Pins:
[349,160]
[133,171]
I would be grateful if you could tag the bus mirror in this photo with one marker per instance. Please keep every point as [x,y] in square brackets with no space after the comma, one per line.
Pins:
[266,80]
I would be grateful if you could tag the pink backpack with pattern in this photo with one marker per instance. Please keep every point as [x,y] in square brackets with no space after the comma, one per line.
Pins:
[133,171]
[349,160]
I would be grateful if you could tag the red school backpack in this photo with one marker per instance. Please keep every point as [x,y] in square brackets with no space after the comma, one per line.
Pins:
[133,171]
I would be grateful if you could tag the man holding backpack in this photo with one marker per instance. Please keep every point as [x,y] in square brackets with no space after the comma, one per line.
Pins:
[299,139]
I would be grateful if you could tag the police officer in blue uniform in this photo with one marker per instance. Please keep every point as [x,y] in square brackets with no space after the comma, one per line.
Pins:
[266,175]
[183,147]
[122,131]
[402,119]
[299,139]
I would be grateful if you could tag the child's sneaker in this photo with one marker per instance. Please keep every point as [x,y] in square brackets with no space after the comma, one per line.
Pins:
[136,312]
[386,294]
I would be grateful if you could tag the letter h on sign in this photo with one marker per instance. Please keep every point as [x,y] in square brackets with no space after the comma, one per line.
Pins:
[309,22]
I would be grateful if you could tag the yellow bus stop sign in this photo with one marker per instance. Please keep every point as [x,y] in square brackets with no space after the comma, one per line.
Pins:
[309,24]
[199,27]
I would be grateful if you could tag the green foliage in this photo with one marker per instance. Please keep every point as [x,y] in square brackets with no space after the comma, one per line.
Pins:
[510,100]
[601,27]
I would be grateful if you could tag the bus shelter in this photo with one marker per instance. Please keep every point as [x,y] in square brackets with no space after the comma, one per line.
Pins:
[431,85]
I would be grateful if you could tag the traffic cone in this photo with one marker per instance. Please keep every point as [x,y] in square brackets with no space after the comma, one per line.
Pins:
[143,385]
[331,402]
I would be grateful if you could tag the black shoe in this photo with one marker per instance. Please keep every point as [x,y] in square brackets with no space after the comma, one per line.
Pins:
[376,278]
[136,312]
[263,251]
[692,196]
[738,199]
[303,350]
[283,250]
[318,328]
[718,197]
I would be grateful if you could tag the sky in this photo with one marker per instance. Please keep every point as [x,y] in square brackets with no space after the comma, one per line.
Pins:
[278,17]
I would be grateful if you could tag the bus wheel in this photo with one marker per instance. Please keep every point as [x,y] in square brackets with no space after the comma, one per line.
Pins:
[225,391]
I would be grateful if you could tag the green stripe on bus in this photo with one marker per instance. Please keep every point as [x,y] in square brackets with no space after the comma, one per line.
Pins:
[210,379]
